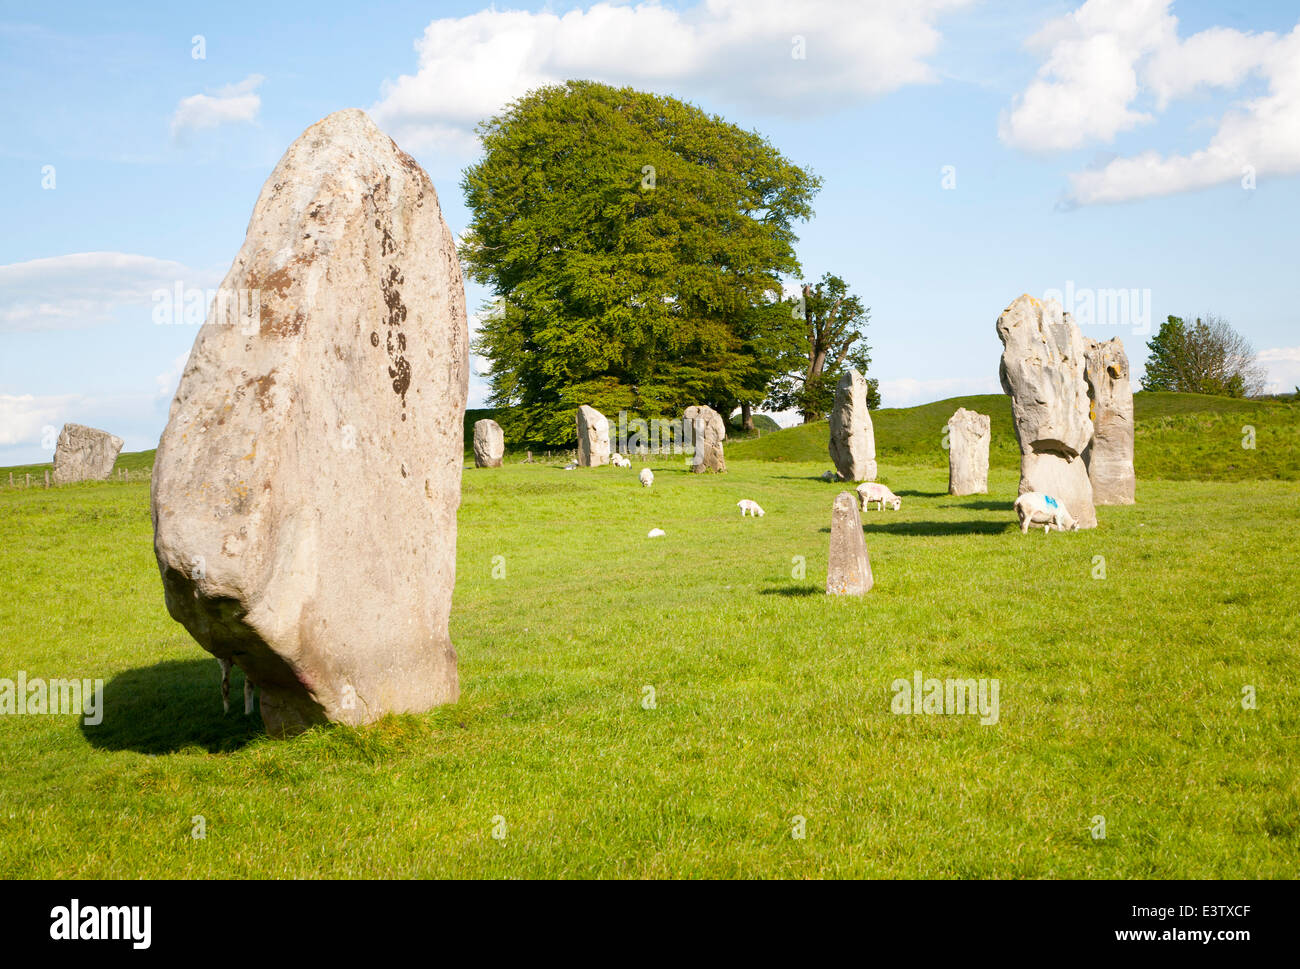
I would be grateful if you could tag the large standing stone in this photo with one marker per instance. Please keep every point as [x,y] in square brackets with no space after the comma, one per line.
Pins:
[1042,369]
[968,453]
[708,431]
[1110,456]
[593,437]
[306,486]
[84,454]
[849,571]
[489,444]
[853,440]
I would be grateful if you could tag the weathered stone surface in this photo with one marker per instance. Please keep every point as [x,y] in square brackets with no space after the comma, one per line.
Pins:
[306,486]
[968,453]
[708,431]
[849,572]
[1042,369]
[853,439]
[489,444]
[593,437]
[84,454]
[1109,458]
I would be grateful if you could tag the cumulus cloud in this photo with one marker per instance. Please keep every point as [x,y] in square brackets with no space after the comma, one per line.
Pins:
[1112,66]
[234,102]
[25,419]
[1282,365]
[471,67]
[83,288]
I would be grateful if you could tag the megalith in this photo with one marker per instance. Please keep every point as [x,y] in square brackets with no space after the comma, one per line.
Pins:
[1042,368]
[305,488]
[84,454]
[489,444]
[968,453]
[852,440]
[1109,458]
[707,432]
[593,437]
[849,570]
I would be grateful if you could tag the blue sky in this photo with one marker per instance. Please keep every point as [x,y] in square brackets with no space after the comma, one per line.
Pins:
[971,151]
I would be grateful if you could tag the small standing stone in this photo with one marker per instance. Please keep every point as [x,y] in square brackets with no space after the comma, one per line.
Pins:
[708,431]
[84,454]
[968,453]
[489,444]
[593,437]
[853,439]
[47,477]
[849,572]
[1109,457]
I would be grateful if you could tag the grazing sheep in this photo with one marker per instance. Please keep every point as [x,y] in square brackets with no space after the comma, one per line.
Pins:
[225,688]
[1034,507]
[646,477]
[748,507]
[619,461]
[870,491]
[656,533]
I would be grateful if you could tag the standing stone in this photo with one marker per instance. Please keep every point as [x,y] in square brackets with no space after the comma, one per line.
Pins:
[968,453]
[849,572]
[593,437]
[84,454]
[489,444]
[708,431]
[1042,369]
[305,488]
[853,440]
[1110,456]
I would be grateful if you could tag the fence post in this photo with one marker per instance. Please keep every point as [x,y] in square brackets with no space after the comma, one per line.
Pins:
[47,477]
[29,481]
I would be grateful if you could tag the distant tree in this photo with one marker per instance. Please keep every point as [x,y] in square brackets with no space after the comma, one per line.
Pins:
[634,247]
[827,341]
[1206,357]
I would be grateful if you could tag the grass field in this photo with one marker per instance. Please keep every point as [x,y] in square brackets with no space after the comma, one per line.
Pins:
[1119,697]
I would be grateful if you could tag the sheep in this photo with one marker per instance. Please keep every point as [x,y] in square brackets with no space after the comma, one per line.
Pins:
[619,461]
[1034,507]
[646,477]
[751,508]
[656,533]
[225,688]
[870,491]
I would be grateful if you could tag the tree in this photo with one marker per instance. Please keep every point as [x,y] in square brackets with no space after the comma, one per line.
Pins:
[1207,357]
[634,247]
[827,340]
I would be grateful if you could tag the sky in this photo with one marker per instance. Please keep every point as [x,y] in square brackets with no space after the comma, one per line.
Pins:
[1133,158]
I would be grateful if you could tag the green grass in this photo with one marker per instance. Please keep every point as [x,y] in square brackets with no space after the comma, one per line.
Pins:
[1178,437]
[1118,696]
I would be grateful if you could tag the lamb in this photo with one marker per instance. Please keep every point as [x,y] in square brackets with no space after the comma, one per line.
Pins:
[1034,507]
[751,508]
[870,491]
[225,688]
[619,461]
[646,477]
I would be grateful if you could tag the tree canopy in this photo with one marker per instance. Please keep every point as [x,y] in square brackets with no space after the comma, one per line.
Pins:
[1206,357]
[634,246]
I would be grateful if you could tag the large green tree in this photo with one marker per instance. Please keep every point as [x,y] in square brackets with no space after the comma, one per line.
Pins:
[828,339]
[1204,357]
[634,247]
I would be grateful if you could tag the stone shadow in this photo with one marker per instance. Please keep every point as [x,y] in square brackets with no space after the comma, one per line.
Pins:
[793,591]
[167,707]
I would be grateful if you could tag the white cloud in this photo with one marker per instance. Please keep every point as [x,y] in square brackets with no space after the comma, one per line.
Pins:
[234,102]
[471,67]
[170,379]
[25,419]
[1283,367]
[1112,66]
[84,288]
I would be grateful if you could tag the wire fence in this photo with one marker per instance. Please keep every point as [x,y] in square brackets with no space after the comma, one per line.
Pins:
[20,480]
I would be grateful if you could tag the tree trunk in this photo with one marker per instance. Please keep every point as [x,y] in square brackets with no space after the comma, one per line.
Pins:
[746,417]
